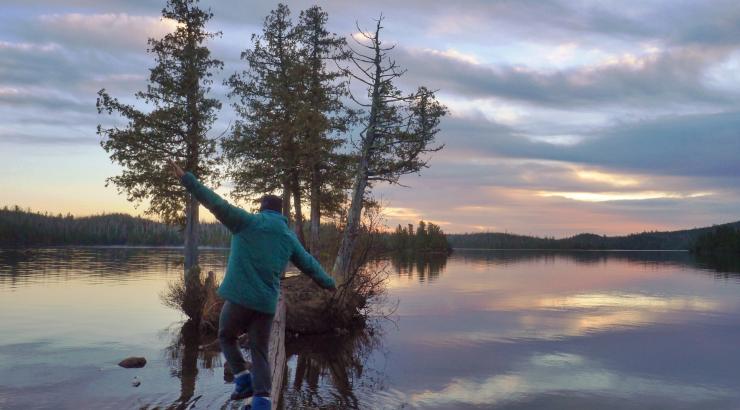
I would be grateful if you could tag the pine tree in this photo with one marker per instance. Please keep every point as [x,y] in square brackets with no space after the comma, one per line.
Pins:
[176,127]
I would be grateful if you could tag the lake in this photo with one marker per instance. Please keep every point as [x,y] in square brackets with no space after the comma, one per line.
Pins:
[477,330]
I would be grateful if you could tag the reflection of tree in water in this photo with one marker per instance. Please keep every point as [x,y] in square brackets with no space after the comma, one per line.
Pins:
[508,257]
[95,264]
[338,360]
[426,266]
[184,356]
[724,266]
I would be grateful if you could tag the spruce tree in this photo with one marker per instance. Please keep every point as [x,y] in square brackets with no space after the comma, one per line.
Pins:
[177,126]
[263,150]
[323,117]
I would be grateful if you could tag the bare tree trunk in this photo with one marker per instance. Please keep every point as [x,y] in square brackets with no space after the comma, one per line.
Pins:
[315,211]
[342,264]
[191,233]
[298,212]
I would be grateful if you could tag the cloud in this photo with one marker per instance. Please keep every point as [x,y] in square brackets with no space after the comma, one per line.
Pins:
[41,98]
[105,31]
[541,375]
[621,196]
[31,139]
[689,145]
[672,77]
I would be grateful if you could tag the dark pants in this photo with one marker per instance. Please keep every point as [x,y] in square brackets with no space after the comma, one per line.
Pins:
[235,320]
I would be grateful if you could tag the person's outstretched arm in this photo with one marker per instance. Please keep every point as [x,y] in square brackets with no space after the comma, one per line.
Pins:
[234,218]
[310,266]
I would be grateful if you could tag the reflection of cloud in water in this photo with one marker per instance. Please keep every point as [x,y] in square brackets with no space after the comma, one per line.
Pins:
[629,300]
[543,374]
[552,318]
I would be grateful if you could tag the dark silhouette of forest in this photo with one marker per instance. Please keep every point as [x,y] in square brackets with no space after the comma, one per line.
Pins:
[427,237]
[675,240]
[22,227]
[19,227]
[723,239]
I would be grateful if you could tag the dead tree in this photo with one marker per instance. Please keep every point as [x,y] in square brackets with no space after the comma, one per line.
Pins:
[399,129]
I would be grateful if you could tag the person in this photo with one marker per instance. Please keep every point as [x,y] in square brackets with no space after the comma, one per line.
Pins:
[261,246]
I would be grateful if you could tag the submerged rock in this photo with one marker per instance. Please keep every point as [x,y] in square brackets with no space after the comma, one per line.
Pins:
[133,362]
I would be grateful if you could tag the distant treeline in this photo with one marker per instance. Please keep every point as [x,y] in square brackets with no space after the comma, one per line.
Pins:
[427,237]
[19,227]
[724,239]
[676,240]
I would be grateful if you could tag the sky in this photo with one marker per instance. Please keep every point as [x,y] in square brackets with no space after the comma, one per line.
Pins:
[566,116]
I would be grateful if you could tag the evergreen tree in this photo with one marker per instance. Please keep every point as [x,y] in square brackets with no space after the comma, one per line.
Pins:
[176,127]
[323,117]
[263,151]
[420,241]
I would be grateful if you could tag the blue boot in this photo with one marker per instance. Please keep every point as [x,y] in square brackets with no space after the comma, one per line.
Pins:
[259,403]
[242,387]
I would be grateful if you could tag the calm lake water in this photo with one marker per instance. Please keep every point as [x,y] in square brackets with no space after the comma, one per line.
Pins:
[478,330]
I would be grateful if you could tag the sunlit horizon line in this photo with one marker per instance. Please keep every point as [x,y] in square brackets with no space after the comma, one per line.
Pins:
[621,196]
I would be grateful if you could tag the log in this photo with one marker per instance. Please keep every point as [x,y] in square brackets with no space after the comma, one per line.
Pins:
[276,355]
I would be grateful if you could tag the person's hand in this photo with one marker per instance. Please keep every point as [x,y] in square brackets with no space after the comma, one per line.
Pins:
[176,170]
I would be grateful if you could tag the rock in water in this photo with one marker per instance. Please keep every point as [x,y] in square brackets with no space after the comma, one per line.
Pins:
[133,362]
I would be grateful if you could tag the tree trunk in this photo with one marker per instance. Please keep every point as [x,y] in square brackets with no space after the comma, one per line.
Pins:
[191,233]
[315,210]
[286,199]
[298,212]
[342,264]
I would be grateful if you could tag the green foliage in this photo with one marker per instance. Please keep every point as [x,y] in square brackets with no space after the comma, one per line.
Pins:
[323,117]
[405,131]
[291,114]
[262,150]
[178,124]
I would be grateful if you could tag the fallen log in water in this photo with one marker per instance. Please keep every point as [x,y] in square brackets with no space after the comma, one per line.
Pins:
[276,355]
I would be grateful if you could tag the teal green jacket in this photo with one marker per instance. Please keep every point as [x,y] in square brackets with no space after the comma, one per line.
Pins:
[261,246]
